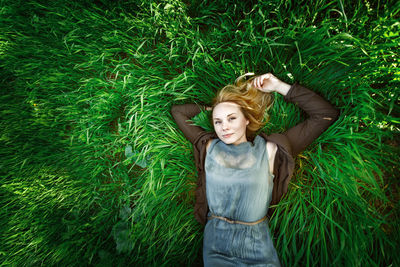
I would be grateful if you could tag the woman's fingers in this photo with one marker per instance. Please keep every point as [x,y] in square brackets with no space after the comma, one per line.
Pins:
[263,78]
[258,82]
[262,81]
[255,82]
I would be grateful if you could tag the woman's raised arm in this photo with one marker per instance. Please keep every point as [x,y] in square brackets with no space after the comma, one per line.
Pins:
[321,114]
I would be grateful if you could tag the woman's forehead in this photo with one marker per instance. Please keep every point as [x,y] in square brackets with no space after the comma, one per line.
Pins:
[225,108]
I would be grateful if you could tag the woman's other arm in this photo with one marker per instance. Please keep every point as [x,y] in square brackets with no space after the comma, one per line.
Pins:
[182,114]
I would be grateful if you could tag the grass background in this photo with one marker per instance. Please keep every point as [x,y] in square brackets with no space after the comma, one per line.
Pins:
[94,170]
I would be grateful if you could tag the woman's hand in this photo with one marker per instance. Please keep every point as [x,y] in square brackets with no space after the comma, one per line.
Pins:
[268,83]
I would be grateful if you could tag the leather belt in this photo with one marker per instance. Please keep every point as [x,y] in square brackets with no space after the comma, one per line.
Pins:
[236,222]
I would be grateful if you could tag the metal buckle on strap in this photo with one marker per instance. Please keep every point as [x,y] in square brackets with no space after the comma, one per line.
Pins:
[236,222]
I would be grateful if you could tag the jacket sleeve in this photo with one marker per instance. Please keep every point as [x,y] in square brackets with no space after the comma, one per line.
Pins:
[182,114]
[321,115]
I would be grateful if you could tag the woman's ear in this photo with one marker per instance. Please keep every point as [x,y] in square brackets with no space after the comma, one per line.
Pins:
[247,122]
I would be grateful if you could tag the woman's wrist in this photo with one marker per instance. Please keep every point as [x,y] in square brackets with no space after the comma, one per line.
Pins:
[283,88]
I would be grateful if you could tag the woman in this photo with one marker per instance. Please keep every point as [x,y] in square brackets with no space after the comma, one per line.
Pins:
[240,173]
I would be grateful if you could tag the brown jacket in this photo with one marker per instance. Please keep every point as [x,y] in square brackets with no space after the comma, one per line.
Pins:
[321,115]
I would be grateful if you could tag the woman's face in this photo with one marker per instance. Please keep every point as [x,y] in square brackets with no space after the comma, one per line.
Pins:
[230,123]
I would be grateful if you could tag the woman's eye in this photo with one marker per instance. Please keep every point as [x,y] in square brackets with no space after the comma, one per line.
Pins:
[232,118]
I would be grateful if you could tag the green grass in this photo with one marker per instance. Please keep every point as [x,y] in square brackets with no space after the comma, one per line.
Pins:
[94,170]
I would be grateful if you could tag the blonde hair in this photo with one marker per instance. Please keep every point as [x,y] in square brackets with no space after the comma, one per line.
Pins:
[252,102]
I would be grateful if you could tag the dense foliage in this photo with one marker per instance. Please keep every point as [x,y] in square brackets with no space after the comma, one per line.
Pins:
[94,170]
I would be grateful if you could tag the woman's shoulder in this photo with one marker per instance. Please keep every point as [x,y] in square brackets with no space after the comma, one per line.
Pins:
[271,148]
[279,140]
[212,142]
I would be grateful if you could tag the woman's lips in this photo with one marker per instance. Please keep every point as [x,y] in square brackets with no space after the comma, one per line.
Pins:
[227,135]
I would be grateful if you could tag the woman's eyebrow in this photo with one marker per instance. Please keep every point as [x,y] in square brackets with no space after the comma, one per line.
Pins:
[227,116]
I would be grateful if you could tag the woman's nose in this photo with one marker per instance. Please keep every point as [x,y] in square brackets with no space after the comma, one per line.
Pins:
[225,126]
